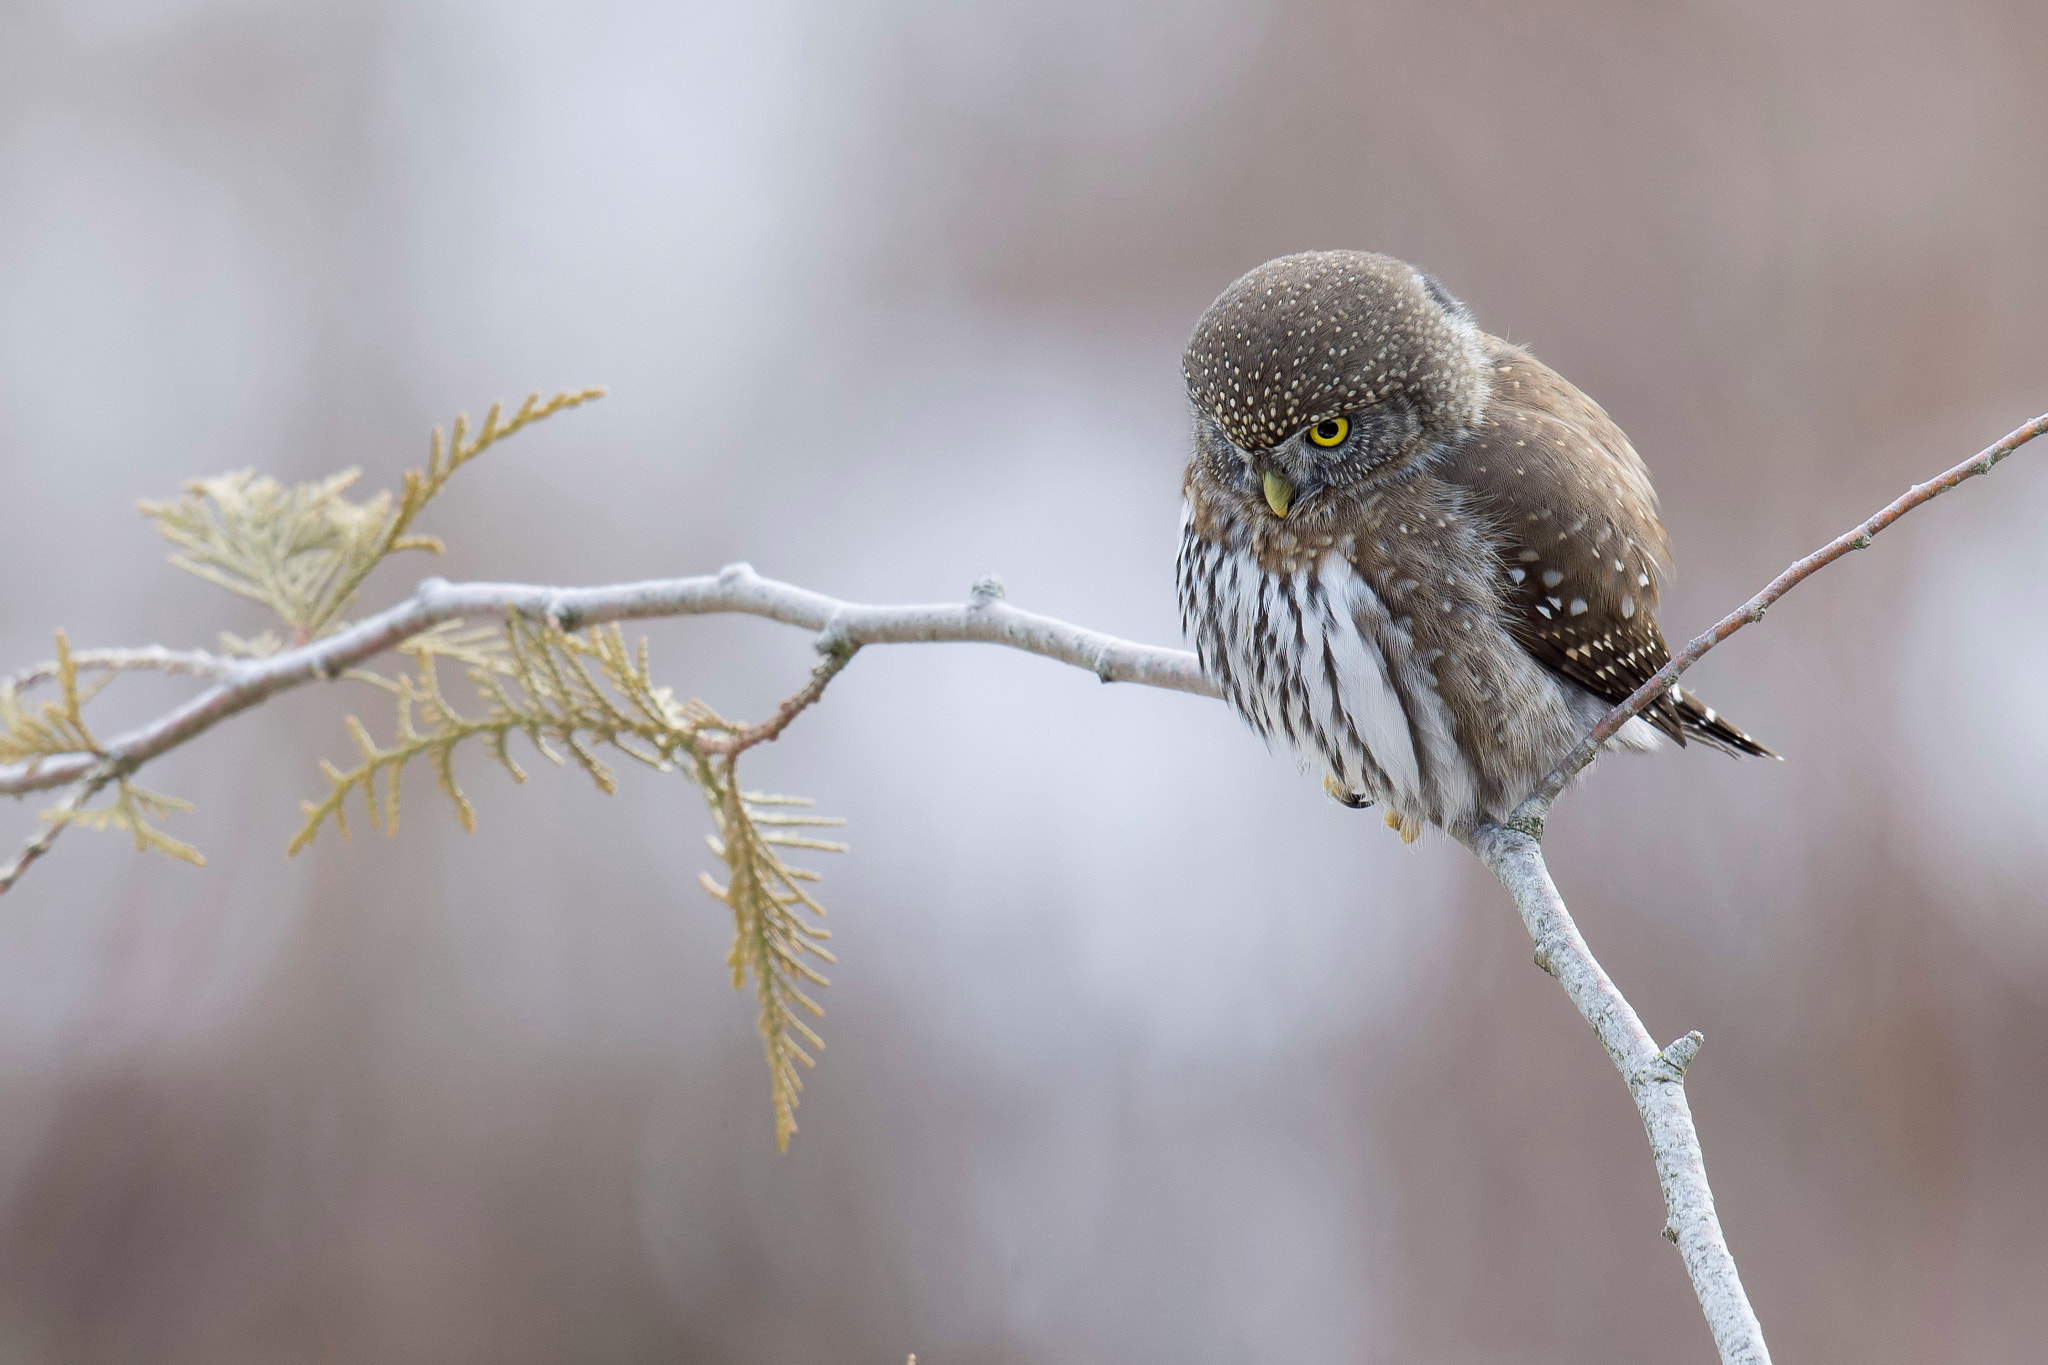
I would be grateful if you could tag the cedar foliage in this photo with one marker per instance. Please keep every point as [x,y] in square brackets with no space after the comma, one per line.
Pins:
[586,698]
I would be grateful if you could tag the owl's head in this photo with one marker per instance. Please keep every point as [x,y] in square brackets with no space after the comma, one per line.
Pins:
[1326,371]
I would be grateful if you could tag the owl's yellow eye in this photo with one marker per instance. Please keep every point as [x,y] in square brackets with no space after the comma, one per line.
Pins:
[1330,432]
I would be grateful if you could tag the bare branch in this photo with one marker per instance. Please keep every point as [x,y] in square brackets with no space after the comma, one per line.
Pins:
[731,746]
[736,588]
[149,658]
[1655,1076]
[1656,1081]
[1752,611]
[58,819]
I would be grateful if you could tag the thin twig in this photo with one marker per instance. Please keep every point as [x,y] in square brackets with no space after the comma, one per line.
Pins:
[1655,1076]
[149,658]
[732,746]
[1752,611]
[57,822]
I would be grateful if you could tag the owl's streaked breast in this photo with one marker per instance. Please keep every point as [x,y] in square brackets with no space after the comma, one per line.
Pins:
[1312,658]
[1413,553]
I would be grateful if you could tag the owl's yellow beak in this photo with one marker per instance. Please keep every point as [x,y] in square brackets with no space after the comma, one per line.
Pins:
[1279,493]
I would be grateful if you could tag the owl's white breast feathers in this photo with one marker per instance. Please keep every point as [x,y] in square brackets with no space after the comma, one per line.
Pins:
[1313,659]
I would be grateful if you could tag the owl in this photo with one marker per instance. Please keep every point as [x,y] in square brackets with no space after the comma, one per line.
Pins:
[1412,553]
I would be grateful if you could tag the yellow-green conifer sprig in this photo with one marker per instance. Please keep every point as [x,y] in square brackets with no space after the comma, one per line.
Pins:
[131,811]
[305,550]
[58,727]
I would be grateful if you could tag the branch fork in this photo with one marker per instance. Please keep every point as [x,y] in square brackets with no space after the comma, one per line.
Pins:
[1656,1076]
[1512,850]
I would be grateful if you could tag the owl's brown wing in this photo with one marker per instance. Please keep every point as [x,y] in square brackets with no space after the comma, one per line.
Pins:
[1581,547]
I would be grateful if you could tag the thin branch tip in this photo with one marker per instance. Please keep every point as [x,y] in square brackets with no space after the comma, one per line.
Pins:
[1749,613]
[324,647]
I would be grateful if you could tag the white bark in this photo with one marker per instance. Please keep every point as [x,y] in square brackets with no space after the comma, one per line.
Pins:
[1514,852]
[148,659]
[1656,1080]
[985,618]
[1655,1077]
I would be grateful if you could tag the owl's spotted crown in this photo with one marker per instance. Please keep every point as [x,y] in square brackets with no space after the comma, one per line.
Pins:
[1306,337]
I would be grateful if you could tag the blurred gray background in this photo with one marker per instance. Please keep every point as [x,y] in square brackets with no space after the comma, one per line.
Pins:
[1139,1047]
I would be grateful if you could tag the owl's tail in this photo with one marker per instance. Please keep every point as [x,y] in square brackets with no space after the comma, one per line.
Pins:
[1703,723]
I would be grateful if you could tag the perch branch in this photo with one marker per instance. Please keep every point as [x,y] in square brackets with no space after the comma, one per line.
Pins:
[1513,851]
[1656,1081]
[840,626]
[1656,1076]
[1752,611]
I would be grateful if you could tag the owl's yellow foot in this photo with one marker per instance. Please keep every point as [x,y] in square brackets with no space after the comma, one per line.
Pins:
[1343,795]
[1410,830]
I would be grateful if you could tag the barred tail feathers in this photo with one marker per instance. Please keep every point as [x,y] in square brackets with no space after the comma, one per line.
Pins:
[1703,723]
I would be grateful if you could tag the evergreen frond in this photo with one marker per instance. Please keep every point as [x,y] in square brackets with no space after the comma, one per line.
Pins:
[566,693]
[131,811]
[303,551]
[286,547]
[775,931]
[56,727]
[574,697]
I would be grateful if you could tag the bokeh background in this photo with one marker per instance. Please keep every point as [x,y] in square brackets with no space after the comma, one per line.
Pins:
[1139,1048]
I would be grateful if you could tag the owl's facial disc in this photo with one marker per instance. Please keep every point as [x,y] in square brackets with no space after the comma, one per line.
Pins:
[1335,370]
[1305,463]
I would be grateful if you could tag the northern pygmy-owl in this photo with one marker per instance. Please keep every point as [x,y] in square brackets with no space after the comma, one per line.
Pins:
[1412,551]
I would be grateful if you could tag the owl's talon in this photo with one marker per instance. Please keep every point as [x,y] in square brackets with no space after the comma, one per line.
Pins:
[1343,796]
[1411,830]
